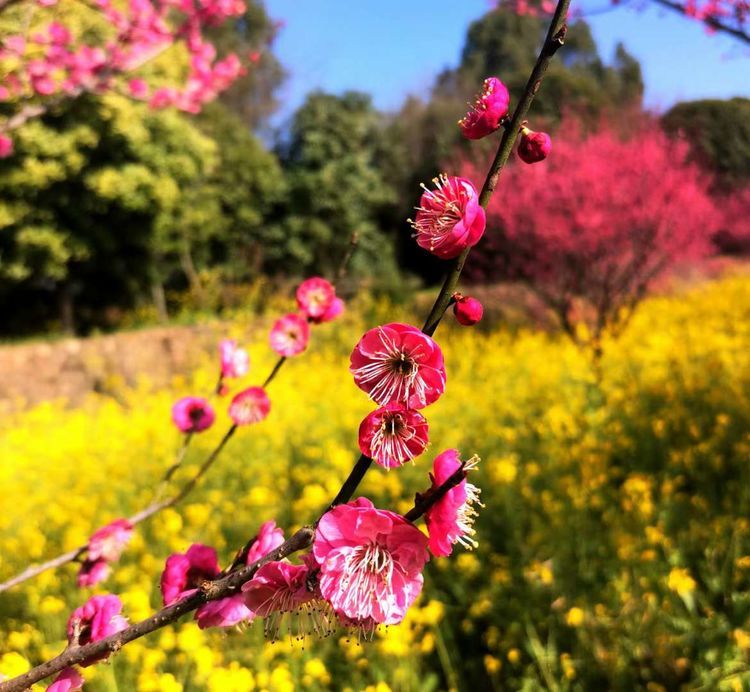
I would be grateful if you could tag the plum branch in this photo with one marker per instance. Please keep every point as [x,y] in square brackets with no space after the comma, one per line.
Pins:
[229,584]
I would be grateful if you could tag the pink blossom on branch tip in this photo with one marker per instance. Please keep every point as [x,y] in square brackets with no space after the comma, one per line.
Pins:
[392,435]
[397,363]
[235,361]
[108,542]
[315,297]
[251,405]
[487,111]
[193,414]
[370,561]
[290,335]
[95,620]
[449,218]
[6,147]
[451,519]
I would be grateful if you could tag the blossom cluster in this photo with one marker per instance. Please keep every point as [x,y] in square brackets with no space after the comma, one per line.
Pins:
[318,303]
[58,61]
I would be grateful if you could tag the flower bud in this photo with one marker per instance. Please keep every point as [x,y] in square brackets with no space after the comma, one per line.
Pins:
[489,108]
[468,310]
[534,146]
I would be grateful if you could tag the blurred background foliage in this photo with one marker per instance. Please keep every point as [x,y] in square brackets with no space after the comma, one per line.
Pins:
[107,207]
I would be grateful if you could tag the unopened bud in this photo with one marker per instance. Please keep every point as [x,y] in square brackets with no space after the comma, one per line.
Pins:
[468,310]
[534,146]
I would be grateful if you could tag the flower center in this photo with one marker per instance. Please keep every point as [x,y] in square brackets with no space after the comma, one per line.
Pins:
[442,211]
[367,577]
[390,441]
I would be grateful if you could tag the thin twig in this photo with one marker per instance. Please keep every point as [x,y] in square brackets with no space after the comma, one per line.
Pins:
[712,22]
[160,504]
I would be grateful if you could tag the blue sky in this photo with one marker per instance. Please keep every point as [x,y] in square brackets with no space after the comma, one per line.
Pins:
[390,48]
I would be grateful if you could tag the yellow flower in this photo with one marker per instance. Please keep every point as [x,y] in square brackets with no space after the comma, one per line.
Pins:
[680,581]
[13,664]
[575,617]
[492,665]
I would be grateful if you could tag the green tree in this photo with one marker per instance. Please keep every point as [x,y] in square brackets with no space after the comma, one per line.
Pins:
[84,201]
[719,133]
[336,187]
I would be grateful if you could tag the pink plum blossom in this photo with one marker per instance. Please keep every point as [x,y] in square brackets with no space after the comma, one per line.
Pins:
[449,219]
[95,620]
[315,296]
[69,680]
[333,311]
[289,335]
[489,108]
[534,146]
[6,147]
[397,363]
[108,542]
[280,590]
[467,310]
[183,573]
[92,572]
[392,435]
[370,561]
[224,612]
[138,88]
[235,361]
[251,405]
[269,538]
[227,612]
[451,519]
[193,414]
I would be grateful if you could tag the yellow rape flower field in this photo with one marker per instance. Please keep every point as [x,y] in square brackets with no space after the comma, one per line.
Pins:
[614,544]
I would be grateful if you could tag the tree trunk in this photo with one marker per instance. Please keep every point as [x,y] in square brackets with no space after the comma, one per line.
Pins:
[160,301]
[186,262]
[66,309]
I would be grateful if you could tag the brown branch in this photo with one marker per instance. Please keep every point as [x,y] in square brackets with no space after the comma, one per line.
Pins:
[222,587]
[158,504]
[423,502]
[712,22]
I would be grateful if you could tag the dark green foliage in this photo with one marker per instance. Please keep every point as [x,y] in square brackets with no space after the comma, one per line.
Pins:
[719,132]
[336,188]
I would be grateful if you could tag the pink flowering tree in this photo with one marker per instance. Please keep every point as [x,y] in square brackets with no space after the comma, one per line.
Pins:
[64,52]
[361,566]
[593,226]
